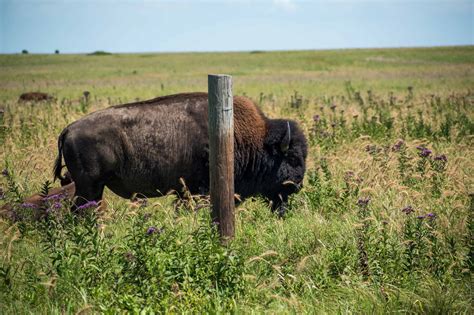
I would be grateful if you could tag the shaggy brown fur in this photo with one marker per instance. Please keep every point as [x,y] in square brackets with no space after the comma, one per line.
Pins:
[35,97]
[250,127]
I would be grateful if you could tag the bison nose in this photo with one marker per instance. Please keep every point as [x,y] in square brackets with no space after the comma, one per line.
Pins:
[289,183]
[300,185]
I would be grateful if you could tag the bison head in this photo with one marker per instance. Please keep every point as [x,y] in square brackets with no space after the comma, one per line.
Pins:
[286,148]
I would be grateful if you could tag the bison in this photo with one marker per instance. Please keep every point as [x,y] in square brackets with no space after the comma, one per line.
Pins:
[147,147]
[38,201]
[35,97]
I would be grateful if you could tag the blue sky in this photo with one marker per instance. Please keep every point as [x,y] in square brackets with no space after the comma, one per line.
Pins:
[41,26]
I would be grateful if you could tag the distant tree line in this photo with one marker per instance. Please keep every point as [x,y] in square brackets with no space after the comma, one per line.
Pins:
[25,52]
[95,53]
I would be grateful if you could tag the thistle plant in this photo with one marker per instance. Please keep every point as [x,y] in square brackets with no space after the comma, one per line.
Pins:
[3,126]
[410,94]
[446,127]
[351,185]
[411,233]
[423,162]
[370,97]
[325,168]
[315,194]
[296,100]
[434,262]
[470,234]
[323,132]
[45,188]
[13,193]
[438,165]
[362,236]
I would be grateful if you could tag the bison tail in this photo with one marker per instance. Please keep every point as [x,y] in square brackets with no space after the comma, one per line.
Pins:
[58,163]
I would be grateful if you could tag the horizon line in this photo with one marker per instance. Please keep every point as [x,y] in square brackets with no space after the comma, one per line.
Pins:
[239,51]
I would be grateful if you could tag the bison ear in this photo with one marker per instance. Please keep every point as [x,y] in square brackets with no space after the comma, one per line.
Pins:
[285,143]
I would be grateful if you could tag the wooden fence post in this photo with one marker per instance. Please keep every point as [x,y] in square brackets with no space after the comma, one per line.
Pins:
[221,153]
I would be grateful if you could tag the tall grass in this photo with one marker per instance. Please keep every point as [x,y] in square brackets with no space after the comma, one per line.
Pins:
[383,223]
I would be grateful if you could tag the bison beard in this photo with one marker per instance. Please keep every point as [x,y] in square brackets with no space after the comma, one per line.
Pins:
[146,147]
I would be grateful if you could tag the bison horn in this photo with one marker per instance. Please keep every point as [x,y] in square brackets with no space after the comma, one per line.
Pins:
[285,143]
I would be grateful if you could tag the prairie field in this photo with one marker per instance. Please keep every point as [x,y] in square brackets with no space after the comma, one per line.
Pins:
[383,224]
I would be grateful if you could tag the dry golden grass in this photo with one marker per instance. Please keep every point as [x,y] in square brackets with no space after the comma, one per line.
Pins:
[309,261]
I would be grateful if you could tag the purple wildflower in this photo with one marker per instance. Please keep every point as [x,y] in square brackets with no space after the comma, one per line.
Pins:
[5,172]
[408,210]
[397,146]
[316,118]
[28,205]
[424,152]
[431,215]
[441,157]
[55,197]
[363,202]
[88,205]
[56,205]
[421,217]
[151,230]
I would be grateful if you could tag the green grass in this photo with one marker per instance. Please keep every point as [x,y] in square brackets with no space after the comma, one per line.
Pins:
[350,242]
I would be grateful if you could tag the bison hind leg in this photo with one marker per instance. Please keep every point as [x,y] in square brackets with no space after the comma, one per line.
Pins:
[88,195]
[66,180]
